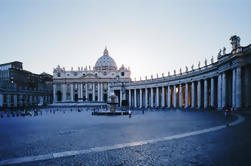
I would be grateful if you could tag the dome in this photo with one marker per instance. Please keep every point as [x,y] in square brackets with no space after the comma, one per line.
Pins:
[105,62]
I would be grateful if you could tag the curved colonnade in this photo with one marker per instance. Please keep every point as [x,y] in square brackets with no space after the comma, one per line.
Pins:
[222,83]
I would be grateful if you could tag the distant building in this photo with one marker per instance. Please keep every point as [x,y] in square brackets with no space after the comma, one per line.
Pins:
[86,84]
[21,88]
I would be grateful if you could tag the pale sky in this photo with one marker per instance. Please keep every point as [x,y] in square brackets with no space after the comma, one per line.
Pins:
[149,36]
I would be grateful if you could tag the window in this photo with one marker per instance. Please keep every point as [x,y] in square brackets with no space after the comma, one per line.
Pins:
[122,74]
[59,75]
[75,73]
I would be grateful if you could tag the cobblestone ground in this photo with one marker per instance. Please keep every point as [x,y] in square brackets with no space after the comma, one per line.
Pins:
[229,146]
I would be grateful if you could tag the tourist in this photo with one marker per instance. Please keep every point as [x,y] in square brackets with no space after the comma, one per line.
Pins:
[130,113]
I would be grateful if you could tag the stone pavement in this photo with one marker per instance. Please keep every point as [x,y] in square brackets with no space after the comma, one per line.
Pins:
[229,146]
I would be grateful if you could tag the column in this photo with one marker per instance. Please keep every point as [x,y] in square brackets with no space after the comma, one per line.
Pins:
[151,97]
[234,88]
[163,97]
[140,98]
[135,98]
[86,92]
[108,90]
[174,97]
[219,91]
[81,92]
[101,92]
[169,96]
[157,97]
[193,96]
[212,92]
[15,100]
[146,98]
[205,94]
[130,98]
[224,88]
[54,93]
[30,100]
[99,98]
[21,100]
[199,94]
[63,87]
[121,97]
[35,99]
[238,88]
[1,100]
[180,96]
[186,95]
[93,91]
[72,99]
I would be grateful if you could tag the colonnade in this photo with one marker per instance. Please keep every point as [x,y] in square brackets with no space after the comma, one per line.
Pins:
[79,92]
[22,100]
[203,92]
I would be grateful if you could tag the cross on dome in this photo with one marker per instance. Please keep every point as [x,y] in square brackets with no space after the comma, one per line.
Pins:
[106,51]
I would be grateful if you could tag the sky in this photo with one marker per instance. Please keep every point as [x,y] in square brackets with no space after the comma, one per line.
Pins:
[149,36]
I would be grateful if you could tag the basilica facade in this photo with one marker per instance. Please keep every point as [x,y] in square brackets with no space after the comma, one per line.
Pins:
[88,85]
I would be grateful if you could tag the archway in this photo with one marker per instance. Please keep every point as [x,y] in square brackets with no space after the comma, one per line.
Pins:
[76,97]
[59,96]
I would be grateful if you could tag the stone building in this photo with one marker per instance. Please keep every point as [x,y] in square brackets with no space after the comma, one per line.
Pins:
[21,88]
[226,82]
[86,85]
